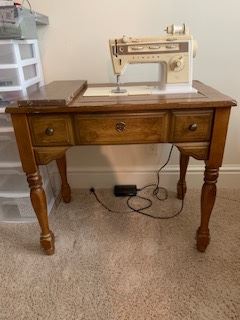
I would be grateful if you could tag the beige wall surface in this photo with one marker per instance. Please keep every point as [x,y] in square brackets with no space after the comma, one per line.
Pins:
[75,46]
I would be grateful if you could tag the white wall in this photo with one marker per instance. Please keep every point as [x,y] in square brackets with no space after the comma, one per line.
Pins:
[75,46]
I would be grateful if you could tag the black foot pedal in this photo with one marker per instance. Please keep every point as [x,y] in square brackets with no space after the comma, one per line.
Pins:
[125,190]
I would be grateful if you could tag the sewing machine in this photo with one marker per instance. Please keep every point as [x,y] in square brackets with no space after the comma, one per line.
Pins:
[174,52]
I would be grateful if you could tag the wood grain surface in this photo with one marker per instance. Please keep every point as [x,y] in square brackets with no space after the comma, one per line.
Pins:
[59,93]
[58,96]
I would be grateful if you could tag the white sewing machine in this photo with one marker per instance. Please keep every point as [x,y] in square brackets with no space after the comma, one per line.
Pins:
[174,52]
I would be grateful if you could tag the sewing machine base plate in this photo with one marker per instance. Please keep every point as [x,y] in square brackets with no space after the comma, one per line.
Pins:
[137,90]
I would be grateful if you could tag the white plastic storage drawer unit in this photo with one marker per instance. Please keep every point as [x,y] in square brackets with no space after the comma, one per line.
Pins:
[15,203]
[20,209]
[20,67]
[20,74]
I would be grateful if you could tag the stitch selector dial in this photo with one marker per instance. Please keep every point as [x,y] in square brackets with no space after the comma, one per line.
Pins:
[177,64]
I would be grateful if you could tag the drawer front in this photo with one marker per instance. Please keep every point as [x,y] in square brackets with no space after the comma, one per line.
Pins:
[51,130]
[191,126]
[117,129]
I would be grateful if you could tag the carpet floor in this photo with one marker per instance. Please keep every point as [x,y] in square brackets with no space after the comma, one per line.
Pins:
[123,266]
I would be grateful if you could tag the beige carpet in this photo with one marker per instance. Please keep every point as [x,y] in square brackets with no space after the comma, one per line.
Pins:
[123,266]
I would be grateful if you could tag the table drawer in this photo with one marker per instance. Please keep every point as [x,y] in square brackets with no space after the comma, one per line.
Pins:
[51,130]
[191,126]
[117,129]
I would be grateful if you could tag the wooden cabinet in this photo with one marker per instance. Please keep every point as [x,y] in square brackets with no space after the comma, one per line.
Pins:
[59,115]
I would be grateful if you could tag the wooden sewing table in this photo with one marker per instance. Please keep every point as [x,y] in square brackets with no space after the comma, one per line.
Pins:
[58,116]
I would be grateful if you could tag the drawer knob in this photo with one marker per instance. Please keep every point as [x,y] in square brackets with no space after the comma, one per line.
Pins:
[193,127]
[120,126]
[49,131]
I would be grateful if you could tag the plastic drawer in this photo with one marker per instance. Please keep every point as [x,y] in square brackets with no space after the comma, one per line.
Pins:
[7,54]
[11,96]
[10,77]
[54,177]
[29,72]
[5,121]
[7,136]
[26,51]
[9,155]
[13,182]
[19,210]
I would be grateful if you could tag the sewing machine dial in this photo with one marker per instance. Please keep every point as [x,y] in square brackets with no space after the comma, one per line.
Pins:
[177,63]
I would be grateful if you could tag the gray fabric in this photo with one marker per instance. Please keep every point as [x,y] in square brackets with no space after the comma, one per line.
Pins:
[123,266]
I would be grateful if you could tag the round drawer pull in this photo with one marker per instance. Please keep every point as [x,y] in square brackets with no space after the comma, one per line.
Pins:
[120,126]
[193,127]
[49,131]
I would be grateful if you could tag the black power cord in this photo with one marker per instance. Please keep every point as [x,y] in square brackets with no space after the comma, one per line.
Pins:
[155,193]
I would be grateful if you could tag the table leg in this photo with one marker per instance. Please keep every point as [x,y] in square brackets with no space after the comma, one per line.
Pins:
[65,188]
[39,203]
[30,167]
[181,186]
[207,202]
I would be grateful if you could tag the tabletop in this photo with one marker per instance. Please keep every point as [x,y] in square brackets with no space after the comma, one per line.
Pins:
[67,96]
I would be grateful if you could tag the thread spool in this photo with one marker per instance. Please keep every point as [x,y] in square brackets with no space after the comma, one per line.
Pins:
[173,29]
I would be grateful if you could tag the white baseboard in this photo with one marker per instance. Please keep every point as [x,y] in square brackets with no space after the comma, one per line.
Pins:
[78,178]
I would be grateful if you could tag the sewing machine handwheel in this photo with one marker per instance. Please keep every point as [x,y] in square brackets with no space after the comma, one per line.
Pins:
[193,127]
[120,126]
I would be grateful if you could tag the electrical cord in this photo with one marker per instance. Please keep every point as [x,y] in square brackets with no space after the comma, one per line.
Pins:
[155,193]
[140,211]
[93,191]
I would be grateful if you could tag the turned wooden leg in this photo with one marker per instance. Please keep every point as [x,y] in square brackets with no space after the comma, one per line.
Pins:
[39,204]
[181,186]
[65,188]
[207,202]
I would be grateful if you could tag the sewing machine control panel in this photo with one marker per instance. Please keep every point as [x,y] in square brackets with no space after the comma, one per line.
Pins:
[147,48]
[123,49]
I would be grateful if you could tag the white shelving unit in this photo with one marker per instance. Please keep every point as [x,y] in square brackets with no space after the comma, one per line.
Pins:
[20,72]
[20,67]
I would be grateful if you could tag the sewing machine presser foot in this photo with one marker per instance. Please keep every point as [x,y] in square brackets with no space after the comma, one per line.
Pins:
[118,89]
